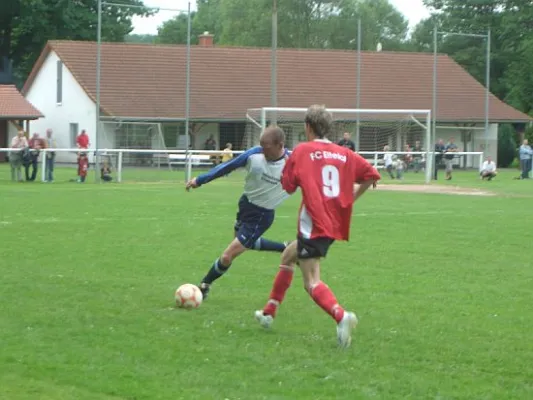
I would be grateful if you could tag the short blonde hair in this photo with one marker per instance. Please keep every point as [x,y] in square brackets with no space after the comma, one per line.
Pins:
[319,120]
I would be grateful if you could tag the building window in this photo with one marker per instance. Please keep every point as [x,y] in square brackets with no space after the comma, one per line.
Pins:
[59,88]
[73,128]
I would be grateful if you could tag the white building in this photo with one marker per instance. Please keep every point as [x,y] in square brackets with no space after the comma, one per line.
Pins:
[143,95]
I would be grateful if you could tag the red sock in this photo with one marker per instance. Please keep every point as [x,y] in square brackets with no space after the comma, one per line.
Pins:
[282,282]
[324,297]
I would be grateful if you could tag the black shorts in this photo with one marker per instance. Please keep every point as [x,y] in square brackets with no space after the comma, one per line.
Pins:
[252,222]
[313,248]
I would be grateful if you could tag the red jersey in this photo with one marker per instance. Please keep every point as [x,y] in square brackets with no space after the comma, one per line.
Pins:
[83,141]
[326,173]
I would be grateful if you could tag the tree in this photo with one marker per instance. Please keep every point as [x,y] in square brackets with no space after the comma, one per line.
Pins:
[26,25]
[511,48]
[174,31]
[207,18]
[506,146]
[301,23]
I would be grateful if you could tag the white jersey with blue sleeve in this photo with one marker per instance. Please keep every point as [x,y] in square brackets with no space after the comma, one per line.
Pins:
[262,184]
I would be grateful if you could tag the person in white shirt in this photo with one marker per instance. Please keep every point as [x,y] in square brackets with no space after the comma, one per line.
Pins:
[18,143]
[387,159]
[263,193]
[400,167]
[488,169]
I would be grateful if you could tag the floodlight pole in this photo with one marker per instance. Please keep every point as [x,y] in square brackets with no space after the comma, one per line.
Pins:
[98,89]
[433,163]
[274,62]
[486,36]
[487,91]
[98,72]
[188,164]
[358,88]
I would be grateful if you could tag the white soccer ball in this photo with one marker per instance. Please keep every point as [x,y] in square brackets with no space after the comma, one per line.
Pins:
[188,296]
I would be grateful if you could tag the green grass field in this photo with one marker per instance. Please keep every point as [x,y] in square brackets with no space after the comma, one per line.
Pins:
[442,285]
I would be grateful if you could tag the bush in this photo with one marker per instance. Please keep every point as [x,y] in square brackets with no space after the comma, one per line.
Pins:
[506,146]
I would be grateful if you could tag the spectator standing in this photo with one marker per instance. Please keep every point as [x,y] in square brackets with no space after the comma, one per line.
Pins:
[387,160]
[211,144]
[31,157]
[400,168]
[347,142]
[526,154]
[82,141]
[83,167]
[50,156]
[19,143]
[227,154]
[407,157]
[450,148]
[439,150]
[417,158]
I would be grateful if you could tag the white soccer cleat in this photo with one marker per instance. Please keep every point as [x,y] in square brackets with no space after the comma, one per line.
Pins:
[344,329]
[265,321]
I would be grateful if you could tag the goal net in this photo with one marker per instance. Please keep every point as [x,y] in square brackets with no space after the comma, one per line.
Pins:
[370,130]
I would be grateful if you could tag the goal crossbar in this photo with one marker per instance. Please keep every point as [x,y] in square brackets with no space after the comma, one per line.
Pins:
[421,117]
[346,110]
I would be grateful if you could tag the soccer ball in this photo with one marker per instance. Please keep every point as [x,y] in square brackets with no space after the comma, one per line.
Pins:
[188,296]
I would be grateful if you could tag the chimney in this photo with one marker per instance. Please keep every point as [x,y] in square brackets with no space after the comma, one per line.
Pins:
[205,40]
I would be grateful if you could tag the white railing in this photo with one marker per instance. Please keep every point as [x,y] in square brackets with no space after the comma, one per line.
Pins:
[194,157]
[189,160]
[426,155]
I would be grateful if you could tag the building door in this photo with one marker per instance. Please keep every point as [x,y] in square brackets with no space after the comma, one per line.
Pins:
[3,139]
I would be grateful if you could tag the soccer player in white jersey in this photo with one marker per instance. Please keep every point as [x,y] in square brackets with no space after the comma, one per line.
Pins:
[262,194]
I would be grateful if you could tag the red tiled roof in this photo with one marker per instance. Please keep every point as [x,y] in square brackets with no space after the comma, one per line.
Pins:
[14,106]
[148,81]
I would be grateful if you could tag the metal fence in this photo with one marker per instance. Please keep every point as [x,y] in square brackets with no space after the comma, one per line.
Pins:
[188,128]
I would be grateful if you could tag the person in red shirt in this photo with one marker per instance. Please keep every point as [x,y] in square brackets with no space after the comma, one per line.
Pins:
[327,175]
[82,140]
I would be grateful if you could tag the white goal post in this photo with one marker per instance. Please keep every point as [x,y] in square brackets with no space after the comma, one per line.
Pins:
[372,128]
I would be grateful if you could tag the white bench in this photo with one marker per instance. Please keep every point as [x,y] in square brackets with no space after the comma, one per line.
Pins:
[196,159]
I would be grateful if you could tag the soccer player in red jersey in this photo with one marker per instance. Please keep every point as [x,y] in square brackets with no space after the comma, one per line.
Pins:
[327,175]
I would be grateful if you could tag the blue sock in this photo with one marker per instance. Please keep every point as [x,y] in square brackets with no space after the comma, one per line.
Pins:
[262,244]
[216,271]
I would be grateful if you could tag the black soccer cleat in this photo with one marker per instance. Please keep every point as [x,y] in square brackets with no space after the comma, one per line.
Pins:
[204,288]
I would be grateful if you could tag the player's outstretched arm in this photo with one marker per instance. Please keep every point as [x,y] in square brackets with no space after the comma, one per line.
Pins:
[223,169]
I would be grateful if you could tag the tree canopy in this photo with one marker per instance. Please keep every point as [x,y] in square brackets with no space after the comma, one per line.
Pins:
[511,42]
[301,23]
[26,25]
